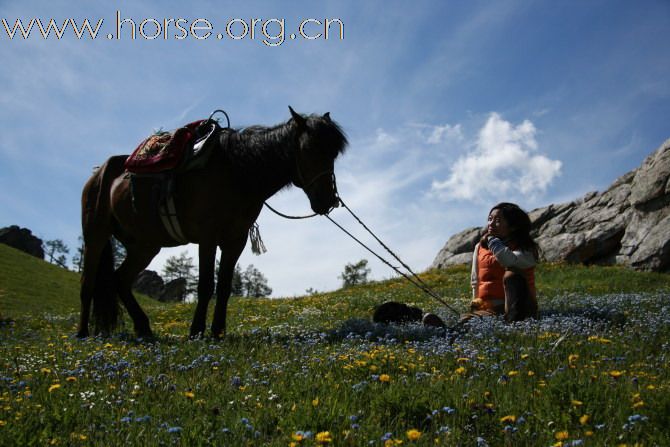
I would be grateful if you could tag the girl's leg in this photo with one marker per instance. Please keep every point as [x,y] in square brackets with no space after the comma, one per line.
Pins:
[518,303]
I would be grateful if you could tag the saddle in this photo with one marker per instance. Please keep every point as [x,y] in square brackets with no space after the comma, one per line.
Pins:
[163,155]
[185,148]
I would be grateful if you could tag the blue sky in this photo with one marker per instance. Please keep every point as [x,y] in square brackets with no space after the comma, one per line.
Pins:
[450,107]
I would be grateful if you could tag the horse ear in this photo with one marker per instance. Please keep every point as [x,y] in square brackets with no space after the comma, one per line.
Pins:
[326,116]
[298,118]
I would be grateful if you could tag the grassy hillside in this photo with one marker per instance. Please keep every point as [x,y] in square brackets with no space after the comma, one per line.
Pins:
[315,371]
[29,285]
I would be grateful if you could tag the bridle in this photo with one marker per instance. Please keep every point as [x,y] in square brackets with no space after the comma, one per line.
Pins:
[307,185]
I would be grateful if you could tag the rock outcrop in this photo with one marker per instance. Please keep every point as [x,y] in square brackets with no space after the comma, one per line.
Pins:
[22,239]
[174,291]
[628,224]
[151,284]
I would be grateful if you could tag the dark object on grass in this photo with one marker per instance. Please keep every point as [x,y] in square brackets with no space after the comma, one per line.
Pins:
[394,312]
[433,320]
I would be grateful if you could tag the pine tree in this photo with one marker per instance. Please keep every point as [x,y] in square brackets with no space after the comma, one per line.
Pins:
[355,273]
[78,258]
[236,287]
[119,252]
[181,267]
[56,251]
[254,283]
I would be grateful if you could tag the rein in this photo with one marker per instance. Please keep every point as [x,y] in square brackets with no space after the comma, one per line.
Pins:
[412,277]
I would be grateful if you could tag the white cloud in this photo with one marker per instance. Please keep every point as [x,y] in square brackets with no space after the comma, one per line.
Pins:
[383,139]
[504,163]
[440,134]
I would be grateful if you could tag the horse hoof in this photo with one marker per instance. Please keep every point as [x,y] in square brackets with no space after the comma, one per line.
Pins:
[82,334]
[144,334]
[149,338]
[218,335]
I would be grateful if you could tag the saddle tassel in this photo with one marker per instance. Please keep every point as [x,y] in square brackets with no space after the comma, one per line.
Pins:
[257,245]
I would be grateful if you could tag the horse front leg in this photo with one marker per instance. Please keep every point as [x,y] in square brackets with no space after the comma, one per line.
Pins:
[230,253]
[206,256]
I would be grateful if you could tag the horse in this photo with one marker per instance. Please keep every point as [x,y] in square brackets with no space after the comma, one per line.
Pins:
[216,206]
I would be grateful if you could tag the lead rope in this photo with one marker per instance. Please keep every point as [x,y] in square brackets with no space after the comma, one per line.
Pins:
[414,279]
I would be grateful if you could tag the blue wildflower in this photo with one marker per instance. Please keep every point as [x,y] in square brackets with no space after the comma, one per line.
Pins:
[449,410]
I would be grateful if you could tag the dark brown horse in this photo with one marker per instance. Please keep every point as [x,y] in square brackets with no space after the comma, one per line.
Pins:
[216,206]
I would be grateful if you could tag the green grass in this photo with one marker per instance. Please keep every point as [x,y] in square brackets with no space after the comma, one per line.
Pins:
[315,370]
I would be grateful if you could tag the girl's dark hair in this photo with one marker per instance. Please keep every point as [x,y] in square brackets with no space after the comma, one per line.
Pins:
[520,224]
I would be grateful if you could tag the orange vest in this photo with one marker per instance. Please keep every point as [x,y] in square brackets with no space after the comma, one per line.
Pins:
[490,275]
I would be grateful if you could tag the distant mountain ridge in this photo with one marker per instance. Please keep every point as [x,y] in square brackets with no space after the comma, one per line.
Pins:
[627,224]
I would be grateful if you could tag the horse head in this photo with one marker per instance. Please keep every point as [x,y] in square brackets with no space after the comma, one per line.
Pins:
[319,141]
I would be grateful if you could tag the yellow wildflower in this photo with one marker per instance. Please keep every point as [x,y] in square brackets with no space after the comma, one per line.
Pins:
[324,437]
[599,339]
[297,437]
[561,435]
[577,403]
[189,394]
[460,370]
[584,419]
[413,434]
[509,419]
[315,402]
[513,373]
[385,378]
[53,387]
[524,356]
[71,379]
[615,374]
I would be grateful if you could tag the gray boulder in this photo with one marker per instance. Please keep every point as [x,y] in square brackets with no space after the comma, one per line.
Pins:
[22,239]
[628,224]
[174,291]
[149,283]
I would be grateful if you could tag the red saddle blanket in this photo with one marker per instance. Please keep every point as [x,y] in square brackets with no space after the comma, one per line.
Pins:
[163,151]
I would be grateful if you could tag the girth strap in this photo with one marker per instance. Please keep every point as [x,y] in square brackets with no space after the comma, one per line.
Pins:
[168,213]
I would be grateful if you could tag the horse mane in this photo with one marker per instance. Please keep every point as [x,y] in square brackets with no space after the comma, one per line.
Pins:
[267,150]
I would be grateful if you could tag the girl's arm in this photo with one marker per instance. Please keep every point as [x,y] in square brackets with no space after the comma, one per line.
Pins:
[511,258]
[473,272]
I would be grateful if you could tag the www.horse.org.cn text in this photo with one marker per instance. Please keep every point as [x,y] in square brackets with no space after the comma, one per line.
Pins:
[271,32]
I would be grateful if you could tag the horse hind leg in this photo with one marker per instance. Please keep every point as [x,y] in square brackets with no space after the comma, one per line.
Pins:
[93,252]
[136,260]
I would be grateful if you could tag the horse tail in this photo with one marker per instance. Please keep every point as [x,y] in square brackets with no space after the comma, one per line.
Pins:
[98,277]
[106,310]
